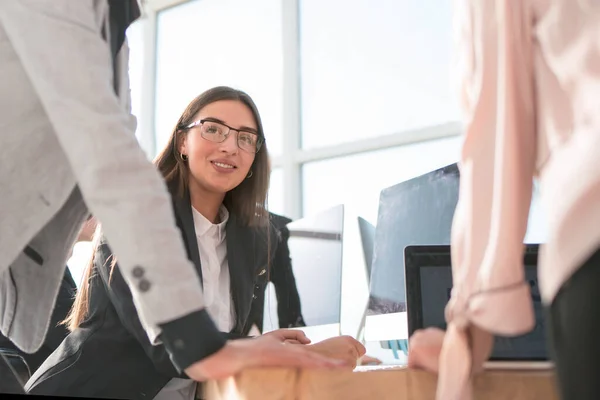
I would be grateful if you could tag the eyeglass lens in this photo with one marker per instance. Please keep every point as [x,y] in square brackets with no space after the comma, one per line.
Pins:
[216,132]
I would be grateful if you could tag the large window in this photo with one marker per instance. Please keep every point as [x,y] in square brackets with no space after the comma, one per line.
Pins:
[80,257]
[276,201]
[373,68]
[207,43]
[359,81]
[537,225]
[358,179]
[335,73]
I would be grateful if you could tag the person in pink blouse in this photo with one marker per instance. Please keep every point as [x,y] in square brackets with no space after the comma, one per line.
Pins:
[530,92]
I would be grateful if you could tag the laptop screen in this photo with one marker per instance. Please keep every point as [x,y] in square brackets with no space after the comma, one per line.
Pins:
[434,287]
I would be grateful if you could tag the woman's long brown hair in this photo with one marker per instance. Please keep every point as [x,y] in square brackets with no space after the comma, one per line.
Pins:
[248,201]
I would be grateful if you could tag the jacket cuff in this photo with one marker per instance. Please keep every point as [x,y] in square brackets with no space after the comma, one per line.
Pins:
[191,338]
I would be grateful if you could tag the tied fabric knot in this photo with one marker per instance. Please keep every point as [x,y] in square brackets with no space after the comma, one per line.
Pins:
[481,309]
[454,373]
[457,309]
[455,360]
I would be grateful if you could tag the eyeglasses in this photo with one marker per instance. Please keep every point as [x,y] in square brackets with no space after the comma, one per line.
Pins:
[218,132]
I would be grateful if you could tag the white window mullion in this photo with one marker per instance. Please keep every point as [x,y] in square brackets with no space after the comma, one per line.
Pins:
[291,110]
[147,137]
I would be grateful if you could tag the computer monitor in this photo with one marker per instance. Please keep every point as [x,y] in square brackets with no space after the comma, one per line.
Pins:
[354,300]
[367,237]
[315,245]
[417,211]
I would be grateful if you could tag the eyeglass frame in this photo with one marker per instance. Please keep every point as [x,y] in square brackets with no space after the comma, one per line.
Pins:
[259,142]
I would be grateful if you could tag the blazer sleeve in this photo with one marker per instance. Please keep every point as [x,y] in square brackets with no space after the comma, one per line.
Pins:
[120,297]
[289,309]
[60,46]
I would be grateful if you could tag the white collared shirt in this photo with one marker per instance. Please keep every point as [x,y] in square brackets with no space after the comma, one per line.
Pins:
[212,246]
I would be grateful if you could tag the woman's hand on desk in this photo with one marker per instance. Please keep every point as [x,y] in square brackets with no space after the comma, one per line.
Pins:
[341,347]
[425,347]
[368,360]
[263,351]
[289,336]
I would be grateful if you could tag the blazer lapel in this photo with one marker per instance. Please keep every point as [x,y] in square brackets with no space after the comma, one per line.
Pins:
[241,260]
[185,222]
[246,256]
[247,259]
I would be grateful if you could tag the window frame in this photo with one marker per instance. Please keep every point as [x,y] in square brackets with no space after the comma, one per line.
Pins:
[295,156]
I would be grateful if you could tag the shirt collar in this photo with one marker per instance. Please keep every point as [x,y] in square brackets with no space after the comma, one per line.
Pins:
[203,226]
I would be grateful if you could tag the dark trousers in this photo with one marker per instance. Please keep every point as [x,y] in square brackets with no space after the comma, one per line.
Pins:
[574,333]
[8,380]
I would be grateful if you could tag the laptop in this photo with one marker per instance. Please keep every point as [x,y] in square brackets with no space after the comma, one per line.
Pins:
[428,288]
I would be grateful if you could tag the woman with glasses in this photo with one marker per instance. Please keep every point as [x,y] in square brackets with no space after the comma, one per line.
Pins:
[216,168]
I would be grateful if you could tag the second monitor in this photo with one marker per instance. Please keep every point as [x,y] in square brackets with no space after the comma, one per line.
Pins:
[315,245]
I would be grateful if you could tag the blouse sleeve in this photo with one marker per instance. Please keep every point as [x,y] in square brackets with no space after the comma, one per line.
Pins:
[494,62]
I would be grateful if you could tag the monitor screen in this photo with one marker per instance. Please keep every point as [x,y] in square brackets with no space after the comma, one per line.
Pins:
[417,211]
[436,285]
[315,245]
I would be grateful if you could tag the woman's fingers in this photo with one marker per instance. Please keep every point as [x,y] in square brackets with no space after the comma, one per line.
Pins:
[273,354]
[264,351]
[289,334]
[424,349]
[313,359]
[299,336]
[368,360]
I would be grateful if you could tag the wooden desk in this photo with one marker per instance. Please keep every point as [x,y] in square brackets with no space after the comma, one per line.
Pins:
[384,384]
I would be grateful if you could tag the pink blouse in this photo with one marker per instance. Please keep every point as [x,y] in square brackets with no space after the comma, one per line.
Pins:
[530,92]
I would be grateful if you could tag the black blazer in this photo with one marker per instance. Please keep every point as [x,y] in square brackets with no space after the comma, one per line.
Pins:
[289,309]
[110,355]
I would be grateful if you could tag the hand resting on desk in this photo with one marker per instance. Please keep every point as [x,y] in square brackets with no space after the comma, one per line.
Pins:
[368,360]
[263,351]
[341,347]
[289,336]
[425,348]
